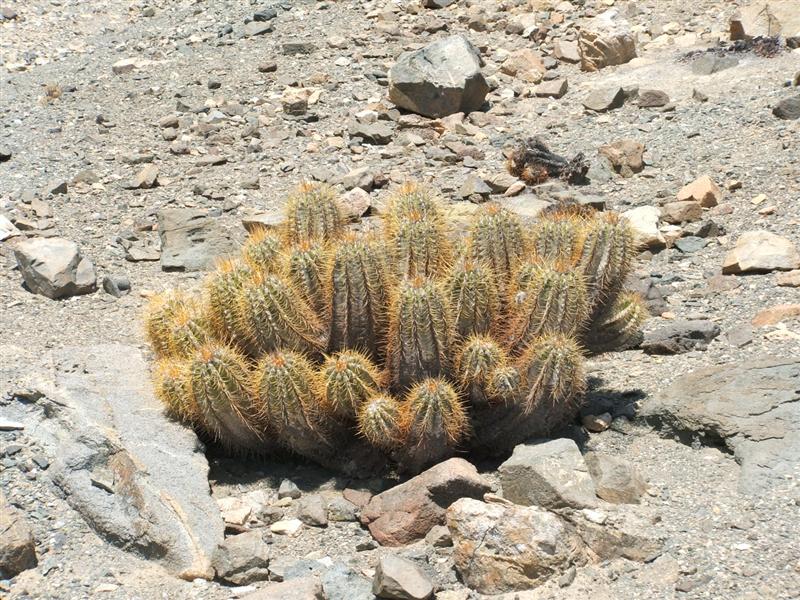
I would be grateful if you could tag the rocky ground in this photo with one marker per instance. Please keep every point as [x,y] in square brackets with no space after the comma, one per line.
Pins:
[115,111]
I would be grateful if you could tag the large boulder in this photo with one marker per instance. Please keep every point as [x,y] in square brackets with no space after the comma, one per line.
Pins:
[54,267]
[190,240]
[767,18]
[752,407]
[17,546]
[605,41]
[407,512]
[440,79]
[760,252]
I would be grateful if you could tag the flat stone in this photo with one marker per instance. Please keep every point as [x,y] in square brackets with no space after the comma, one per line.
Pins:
[439,537]
[7,229]
[290,527]
[190,240]
[616,532]
[256,28]
[313,510]
[378,133]
[680,336]
[790,279]
[605,99]
[272,221]
[55,268]
[341,582]
[526,206]
[55,187]
[398,578]
[242,559]
[566,51]
[474,186]
[708,64]
[644,221]
[625,156]
[766,19]
[788,108]
[554,88]
[606,40]
[17,546]
[549,474]
[776,314]
[753,407]
[690,244]
[437,3]
[681,211]
[652,98]
[295,47]
[703,190]
[302,588]
[524,64]
[615,480]
[761,252]
[145,179]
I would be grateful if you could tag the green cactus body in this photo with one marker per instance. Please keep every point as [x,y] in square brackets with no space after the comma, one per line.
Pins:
[419,246]
[160,319]
[498,240]
[190,329]
[359,298]
[503,384]
[413,199]
[554,302]
[379,422]
[218,379]
[420,334]
[261,251]
[222,290]
[557,239]
[552,375]
[313,214]
[306,266]
[170,382]
[435,423]
[478,358]
[473,295]
[606,256]
[284,383]
[618,326]
[272,314]
[348,379]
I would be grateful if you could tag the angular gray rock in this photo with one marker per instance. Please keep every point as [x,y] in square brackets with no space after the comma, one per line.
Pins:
[242,559]
[605,99]
[17,546]
[190,240]
[440,79]
[302,588]
[54,267]
[709,63]
[340,582]
[312,510]
[615,480]
[752,407]
[680,336]
[761,252]
[788,108]
[605,41]
[378,133]
[549,474]
[398,578]
[616,532]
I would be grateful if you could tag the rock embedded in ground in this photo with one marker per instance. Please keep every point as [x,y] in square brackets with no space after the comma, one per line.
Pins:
[753,407]
[437,3]
[440,79]
[242,559]
[502,547]
[788,109]
[566,51]
[17,546]
[191,240]
[615,480]
[379,133]
[681,211]
[302,588]
[761,252]
[524,64]
[605,99]
[766,18]
[554,88]
[313,510]
[606,41]
[625,156]
[55,268]
[407,512]
[145,179]
[776,314]
[398,578]
[439,537]
[652,99]
[789,279]
[341,582]
[703,190]
[7,229]
[678,337]
[616,532]
[550,474]
[709,63]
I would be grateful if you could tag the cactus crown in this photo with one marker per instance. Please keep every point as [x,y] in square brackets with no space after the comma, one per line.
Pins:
[313,214]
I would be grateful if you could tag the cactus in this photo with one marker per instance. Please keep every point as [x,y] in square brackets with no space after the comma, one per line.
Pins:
[159,320]
[606,256]
[379,422]
[557,236]
[218,383]
[348,379]
[418,245]
[412,198]
[473,294]
[171,387]
[498,240]
[478,359]
[553,301]
[306,267]
[222,290]
[358,292]
[261,251]
[313,214]
[503,384]
[618,326]
[420,334]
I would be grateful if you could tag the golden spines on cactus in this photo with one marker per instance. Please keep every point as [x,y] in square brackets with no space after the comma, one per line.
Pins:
[313,213]
[176,325]
[607,252]
[218,383]
[348,379]
[503,384]
[476,361]
[554,301]
[159,320]
[171,385]
[551,371]
[618,325]
[222,290]
[418,244]
[261,251]
[306,264]
[498,239]
[379,421]
[557,237]
[358,290]
[413,198]
[420,333]
[272,314]
[472,290]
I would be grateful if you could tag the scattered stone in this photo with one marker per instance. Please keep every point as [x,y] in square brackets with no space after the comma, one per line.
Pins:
[301,588]
[615,532]
[439,537]
[340,582]
[437,3]
[652,99]
[55,187]
[776,314]
[355,204]
[606,41]
[256,28]
[190,241]
[5,154]
[295,47]
[169,122]
[313,510]
[703,190]
[644,221]
[17,546]
[242,559]
[680,336]
[524,64]
[265,14]
[625,156]
[554,88]
[378,133]
[708,64]
[116,285]
[615,480]
[55,268]
[761,252]
[342,510]
[440,79]
[7,229]
[766,19]
[211,160]
[566,51]
[289,527]
[145,179]
[596,423]
[407,512]
[268,67]
[788,108]
[398,578]
[690,244]
[750,406]
[740,336]
[125,65]
[790,279]
[288,489]
[605,99]
[681,211]
[474,186]
[548,474]
[359,498]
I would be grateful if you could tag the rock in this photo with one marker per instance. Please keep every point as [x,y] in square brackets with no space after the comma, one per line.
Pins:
[615,480]
[288,489]
[554,88]
[340,582]
[440,79]
[526,206]
[788,108]
[116,285]
[17,546]
[437,3]
[301,588]
[761,252]
[790,279]
[616,533]
[652,99]
[255,28]
[378,133]
[190,241]
[708,64]
[137,477]
[767,19]
[690,244]
[398,578]
[7,229]
[54,267]
[752,407]
[55,187]
[548,474]
[524,64]
[681,211]
[474,186]
[625,156]
[313,510]
[606,41]
[439,537]
[703,190]
[272,221]
[680,336]
[125,65]
[265,14]
[605,99]
[290,527]
[407,512]
[268,67]
[503,547]
[145,179]
[297,47]
[644,220]
[596,423]
[355,203]
[242,559]
[359,498]
[776,314]
[342,510]
[566,51]
[362,177]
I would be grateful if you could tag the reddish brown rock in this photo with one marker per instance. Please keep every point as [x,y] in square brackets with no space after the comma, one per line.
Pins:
[625,156]
[702,190]
[407,512]
[790,279]
[776,314]
[681,211]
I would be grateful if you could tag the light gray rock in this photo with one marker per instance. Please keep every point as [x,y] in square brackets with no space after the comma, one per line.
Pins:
[242,559]
[788,109]
[605,99]
[437,3]
[680,336]
[615,479]
[708,64]
[303,588]
[440,79]
[342,510]
[313,510]
[17,546]
[7,229]
[753,407]
[190,240]
[550,474]
[54,267]
[615,532]
[398,578]
[605,41]
[761,252]
[340,582]
[288,489]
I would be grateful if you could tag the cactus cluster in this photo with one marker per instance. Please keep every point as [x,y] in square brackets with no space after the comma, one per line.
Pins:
[403,345]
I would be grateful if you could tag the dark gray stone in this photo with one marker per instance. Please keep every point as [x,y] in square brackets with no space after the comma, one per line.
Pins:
[652,98]
[340,582]
[116,285]
[788,108]
[265,14]
[680,336]
[295,47]
[190,240]
[709,63]
[17,546]
[690,244]
[242,559]
[605,99]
